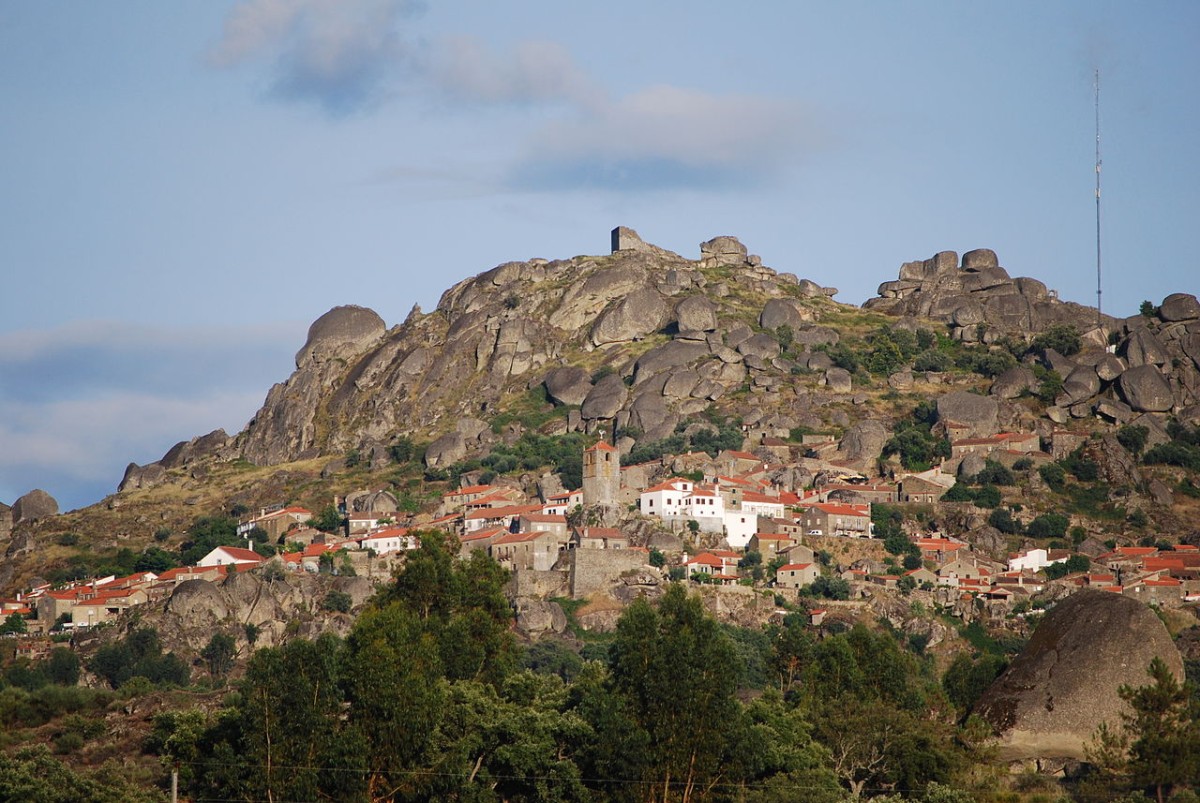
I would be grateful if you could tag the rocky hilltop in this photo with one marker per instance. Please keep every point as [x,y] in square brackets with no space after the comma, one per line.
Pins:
[643,338]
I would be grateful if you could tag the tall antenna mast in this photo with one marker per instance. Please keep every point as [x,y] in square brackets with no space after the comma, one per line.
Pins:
[1098,290]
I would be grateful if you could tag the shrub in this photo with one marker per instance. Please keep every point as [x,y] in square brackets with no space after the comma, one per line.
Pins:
[1133,437]
[829,588]
[1003,521]
[1061,337]
[1083,467]
[933,360]
[1053,475]
[1048,525]
[1050,387]
[1174,454]
[338,601]
[987,496]
[995,473]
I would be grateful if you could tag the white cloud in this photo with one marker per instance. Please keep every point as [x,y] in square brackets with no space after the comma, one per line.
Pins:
[534,72]
[670,136]
[82,401]
[337,53]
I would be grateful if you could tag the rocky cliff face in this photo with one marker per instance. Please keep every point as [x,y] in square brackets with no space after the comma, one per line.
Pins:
[673,331]
[643,338]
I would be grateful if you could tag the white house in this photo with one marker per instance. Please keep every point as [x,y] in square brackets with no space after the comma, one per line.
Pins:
[706,507]
[1036,559]
[389,540]
[739,527]
[226,555]
[665,499]
[741,522]
[562,504]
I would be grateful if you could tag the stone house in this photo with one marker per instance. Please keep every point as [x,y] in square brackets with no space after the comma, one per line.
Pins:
[537,550]
[800,553]
[600,538]
[828,518]
[479,539]
[546,522]
[275,522]
[796,575]
[769,545]
[918,490]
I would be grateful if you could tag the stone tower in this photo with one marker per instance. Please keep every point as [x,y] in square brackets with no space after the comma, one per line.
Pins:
[601,474]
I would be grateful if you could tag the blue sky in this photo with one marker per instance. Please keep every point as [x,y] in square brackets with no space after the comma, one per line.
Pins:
[187,185]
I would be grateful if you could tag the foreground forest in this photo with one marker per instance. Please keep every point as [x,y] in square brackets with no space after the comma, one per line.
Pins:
[430,697]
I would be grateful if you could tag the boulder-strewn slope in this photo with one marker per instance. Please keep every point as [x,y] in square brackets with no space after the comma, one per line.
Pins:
[678,330]
[643,338]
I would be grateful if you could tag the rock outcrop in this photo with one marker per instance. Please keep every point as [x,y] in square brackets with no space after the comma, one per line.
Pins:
[37,504]
[665,338]
[978,299]
[1052,698]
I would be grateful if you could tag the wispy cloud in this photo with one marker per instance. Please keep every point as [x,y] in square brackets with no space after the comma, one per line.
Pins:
[336,53]
[348,54]
[668,137]
[81,402]
[467,69]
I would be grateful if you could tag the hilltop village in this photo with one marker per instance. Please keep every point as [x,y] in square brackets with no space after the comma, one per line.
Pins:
[715,521]
[637,526]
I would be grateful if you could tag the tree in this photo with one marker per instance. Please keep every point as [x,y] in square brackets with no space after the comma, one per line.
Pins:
[14,623]
[327,520]
[205,534]
[678,672]
[62,667]
[218,654]
[394,687]
[338,601]
[287,730]
[1002,519]
[1164,728]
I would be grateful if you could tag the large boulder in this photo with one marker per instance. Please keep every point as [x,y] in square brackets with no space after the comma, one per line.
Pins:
[1143,348]
[568,384]
[669,355]
[781,312]
[605,398]
[1145,389]
[37,504]
[633,317]
[1179,307]
[863,442]
[343,329]
[723,251]
[204,446]
[1065,682]
[980,259]
[1013,382]
[979,414]
[446,450]
[696,314]
[137,477]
